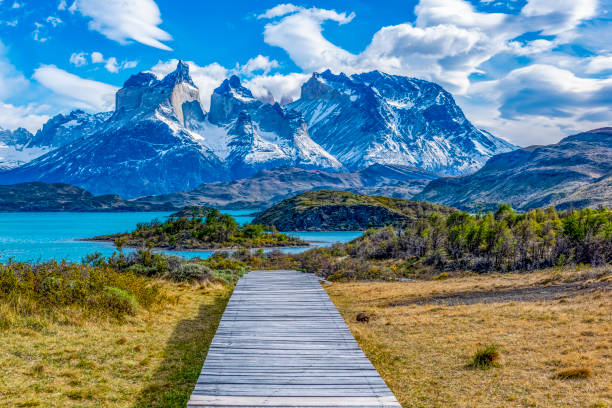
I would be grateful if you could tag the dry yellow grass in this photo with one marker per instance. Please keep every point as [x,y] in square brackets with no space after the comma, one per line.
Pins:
[423,350]
[149,360]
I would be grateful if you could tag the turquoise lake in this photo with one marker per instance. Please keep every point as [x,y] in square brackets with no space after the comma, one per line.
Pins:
[33,237]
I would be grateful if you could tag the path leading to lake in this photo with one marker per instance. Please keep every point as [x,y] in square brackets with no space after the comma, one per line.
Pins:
[282,343]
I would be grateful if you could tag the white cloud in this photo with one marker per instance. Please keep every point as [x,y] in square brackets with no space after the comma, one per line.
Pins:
[540,104]
[31,116]
[450,41]
[62,5]
[129,64]
[280,10]
[206,78]
[76,91]
[545,90]
[283,88]
[54,21]
[258,63]
[300,34]
[599,63]
[122,20]
[557,16]
[97,57]
[455,12]
[78,59]
[39,32]
[112,65]
[447,43]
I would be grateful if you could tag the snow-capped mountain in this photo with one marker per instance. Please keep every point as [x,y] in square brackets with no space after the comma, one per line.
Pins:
[20,146]
[63,129]
[374,117]
[252,135]
[143,148]
[160,140]
[13,148]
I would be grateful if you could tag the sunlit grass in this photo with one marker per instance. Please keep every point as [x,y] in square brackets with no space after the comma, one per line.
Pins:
[554,353]
[73,359]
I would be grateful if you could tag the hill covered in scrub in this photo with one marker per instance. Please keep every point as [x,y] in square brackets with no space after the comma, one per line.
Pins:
[436,243]
[193,211]
[216,231]
[36,196]
[343,211]
[576,172]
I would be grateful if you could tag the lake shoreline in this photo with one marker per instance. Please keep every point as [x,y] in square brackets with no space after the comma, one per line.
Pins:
[179,249]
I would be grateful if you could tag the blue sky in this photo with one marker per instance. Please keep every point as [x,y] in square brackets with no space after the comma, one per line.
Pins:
[530,71]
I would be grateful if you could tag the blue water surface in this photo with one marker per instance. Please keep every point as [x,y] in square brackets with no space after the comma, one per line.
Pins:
[33,237]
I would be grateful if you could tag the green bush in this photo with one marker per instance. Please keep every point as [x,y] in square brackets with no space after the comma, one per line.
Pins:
[98,290]
[118,302]
[189,272]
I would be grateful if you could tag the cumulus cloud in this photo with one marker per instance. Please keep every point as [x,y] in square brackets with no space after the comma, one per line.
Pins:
[446,44]
[124,21]
[599,63]
[259,63]
[545,90]
[76,91]
[97,57]
[111,64]
[541,103]
[299,33]
[78,59]
[54,21]
[450,41]
[558,16]
[31,116]
[283,88]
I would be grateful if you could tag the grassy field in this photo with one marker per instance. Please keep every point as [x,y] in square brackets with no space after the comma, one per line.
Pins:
[553,330]
[150,359]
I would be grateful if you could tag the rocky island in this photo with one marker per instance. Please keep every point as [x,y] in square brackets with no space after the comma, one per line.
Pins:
[343,211]
[216,231]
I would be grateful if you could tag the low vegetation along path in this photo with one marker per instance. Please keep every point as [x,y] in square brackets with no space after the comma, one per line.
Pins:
[282,343]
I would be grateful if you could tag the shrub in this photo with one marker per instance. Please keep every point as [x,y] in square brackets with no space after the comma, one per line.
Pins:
[189,272]
[31,289]
[229,276]
[118,302]
[576,373]
[486,357]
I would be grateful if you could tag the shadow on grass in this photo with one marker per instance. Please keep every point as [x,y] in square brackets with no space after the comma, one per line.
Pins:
[172,383]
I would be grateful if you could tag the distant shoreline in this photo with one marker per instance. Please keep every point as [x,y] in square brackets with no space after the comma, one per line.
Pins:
[211,249]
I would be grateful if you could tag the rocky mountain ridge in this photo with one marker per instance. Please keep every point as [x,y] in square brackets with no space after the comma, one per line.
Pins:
[577,171]
[160,140]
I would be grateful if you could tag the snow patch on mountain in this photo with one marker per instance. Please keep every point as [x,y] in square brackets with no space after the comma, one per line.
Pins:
[388,119]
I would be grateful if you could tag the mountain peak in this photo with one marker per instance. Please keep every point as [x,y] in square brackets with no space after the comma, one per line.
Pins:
[179,75]
[140,79]
[233,87]
[229,99]
[318,88]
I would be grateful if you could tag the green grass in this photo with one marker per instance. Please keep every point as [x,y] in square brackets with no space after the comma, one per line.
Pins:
[486,357]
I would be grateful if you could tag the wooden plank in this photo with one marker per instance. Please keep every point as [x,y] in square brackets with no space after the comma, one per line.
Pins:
[282,343]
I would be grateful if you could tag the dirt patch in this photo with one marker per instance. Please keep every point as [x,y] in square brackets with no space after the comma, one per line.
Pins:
[526,294]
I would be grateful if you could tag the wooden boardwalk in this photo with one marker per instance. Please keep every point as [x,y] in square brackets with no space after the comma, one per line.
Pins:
[282,343]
